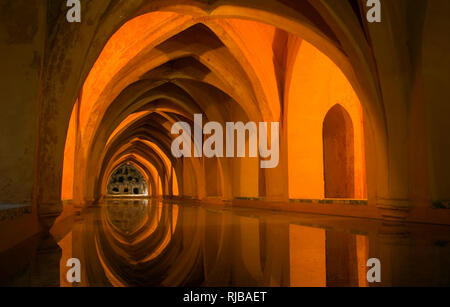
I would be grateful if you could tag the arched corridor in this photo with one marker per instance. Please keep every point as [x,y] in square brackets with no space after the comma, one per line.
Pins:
[133,116]
[293,106]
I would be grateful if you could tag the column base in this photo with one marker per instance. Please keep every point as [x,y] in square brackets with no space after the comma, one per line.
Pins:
[48,213]
[394,210]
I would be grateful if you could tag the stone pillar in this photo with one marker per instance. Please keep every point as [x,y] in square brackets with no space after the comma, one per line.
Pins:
[22,39]
[391,55]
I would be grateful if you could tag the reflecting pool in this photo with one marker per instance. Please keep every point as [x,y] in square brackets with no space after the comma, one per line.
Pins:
[151,243]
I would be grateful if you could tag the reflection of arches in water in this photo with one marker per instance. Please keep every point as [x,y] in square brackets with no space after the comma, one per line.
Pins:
[209,247]
[127,217]
[135,241]
[339,154]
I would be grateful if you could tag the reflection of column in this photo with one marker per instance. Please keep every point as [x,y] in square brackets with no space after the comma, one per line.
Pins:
[219,248]
[406,259]
[16,263]
[251,246]
[241,275]
[390,245]
[276,248]
[439,265]
[46,264]
[66,247]
[307,257]
[77,249]
[342,264]
[362,254]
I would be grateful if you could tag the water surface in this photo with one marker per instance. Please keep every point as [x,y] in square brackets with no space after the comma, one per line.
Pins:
[150,243]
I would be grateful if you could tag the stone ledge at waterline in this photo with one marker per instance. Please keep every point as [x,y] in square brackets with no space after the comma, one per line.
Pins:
[10,212]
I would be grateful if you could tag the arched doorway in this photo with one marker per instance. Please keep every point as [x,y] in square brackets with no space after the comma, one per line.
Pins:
[339,154]
[127,180]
